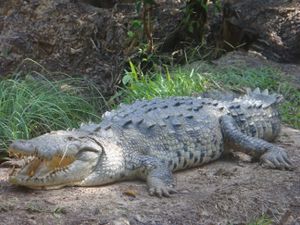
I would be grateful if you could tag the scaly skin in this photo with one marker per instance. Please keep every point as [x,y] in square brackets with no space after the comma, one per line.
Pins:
[150,139]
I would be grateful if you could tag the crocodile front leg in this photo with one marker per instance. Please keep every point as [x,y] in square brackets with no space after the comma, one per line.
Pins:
[157,174]
[269,154]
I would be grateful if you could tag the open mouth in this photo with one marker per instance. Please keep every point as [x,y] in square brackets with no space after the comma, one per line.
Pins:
[54,160]
[36,168]
[34,165]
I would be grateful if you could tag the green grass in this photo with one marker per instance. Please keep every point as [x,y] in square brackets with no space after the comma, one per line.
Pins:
[140,86]
[263,220]
[160,86]
[30,107]
[203,77]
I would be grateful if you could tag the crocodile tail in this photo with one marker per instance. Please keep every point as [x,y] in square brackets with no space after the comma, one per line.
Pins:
[264,96]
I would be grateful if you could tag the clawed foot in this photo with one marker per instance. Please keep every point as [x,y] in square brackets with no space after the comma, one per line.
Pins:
[277,159]
[159,188]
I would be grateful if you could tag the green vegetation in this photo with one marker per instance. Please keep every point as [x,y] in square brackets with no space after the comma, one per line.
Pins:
[33,106]
[202,77]
[140,86]
[263,220]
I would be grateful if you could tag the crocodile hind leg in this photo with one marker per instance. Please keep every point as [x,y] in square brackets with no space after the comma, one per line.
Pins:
[270,155]
[157,174]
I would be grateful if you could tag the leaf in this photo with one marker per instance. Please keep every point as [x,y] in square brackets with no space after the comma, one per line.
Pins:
[133,70]
[126,79]
[130,34]
[136,24]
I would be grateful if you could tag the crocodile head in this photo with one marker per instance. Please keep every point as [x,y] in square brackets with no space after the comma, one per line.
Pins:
[56,159]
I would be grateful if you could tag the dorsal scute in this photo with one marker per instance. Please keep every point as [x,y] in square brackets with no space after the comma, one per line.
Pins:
[263,97]
[143,114]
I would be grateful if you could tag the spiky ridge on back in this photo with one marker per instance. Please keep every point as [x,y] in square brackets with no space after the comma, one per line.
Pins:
[256,115]
[157,111]
[252,112]
[172,113]
[264,97]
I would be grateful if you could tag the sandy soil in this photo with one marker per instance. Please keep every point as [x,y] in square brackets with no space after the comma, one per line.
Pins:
[228,191]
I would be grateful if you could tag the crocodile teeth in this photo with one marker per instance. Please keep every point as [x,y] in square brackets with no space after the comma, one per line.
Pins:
[34,166]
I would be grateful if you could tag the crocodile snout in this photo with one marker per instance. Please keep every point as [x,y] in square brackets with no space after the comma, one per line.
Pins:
[21,146]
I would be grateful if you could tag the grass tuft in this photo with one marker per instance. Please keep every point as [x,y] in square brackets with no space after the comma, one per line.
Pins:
[30,107]
[263,220]
[140,86]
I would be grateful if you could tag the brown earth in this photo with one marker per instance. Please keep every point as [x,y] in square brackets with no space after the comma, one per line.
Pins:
[80,38]
[89,37]
[66,36]
[227,191]
[269,27]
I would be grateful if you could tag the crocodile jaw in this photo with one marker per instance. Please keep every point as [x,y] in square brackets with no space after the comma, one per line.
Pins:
[57,167]
[39,173]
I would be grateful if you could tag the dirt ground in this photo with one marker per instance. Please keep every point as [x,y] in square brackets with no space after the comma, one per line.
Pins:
[227,191]
[71,37]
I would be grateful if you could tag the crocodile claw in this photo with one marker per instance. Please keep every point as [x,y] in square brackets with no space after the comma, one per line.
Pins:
[277,159]
[160,189]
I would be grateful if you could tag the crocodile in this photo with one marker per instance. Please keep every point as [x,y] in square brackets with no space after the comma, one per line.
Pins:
[150,139]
